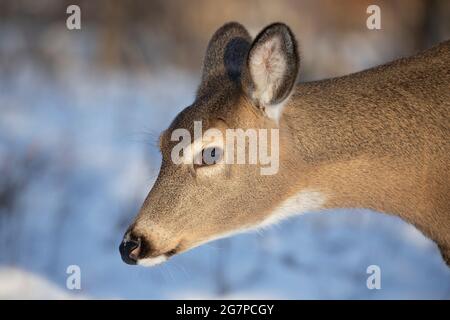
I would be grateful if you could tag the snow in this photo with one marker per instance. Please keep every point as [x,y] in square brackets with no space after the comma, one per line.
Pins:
[89,144]
[17,283]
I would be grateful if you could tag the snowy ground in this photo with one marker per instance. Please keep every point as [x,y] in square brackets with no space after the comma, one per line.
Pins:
[79,151]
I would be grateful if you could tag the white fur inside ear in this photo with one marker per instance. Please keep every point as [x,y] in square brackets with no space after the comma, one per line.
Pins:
[267,68]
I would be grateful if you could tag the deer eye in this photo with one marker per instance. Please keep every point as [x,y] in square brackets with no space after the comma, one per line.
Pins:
[210,156]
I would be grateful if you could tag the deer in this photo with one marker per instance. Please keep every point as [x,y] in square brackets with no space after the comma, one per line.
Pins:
[376,139]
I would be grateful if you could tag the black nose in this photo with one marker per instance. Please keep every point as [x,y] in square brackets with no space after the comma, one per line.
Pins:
[129,249]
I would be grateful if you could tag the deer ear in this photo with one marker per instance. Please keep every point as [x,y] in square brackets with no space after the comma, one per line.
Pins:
[226,54]
[271,69]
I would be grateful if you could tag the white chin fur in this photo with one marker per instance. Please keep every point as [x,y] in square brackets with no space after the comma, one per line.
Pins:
[149,262]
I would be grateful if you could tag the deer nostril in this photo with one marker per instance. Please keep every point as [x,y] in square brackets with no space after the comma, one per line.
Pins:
[130,249]
[134,252]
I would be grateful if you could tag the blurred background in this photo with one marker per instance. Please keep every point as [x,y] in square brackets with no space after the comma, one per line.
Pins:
[80,112]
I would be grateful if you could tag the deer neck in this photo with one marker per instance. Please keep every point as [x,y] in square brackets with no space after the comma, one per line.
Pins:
[339,149]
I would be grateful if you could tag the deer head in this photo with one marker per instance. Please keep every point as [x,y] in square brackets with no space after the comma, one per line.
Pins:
[245,85]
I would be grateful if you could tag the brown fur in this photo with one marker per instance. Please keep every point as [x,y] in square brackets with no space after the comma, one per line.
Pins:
[376,139]
[379,139]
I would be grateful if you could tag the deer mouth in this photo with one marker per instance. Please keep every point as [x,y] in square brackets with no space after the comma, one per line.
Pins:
[150,262]
[153,261]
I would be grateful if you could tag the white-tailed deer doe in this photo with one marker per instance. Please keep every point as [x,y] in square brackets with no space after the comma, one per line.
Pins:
[376,139]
